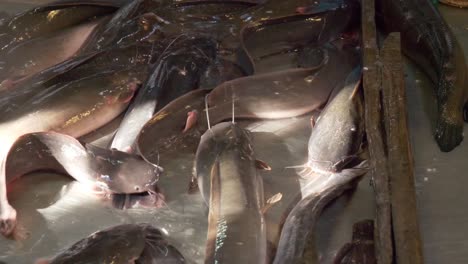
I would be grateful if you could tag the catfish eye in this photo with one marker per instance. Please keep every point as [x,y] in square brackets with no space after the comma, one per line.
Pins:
[137,188]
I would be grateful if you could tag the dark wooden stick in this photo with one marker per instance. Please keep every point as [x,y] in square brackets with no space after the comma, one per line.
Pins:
[375,137]
[408,248]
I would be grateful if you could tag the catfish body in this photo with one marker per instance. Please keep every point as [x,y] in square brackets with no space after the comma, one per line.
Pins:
[50,18]
[136,243]
[74,109]
[337,135]
[176,72]
[428,41]
[283,94]
[236,228]
[108,170]
[299,224]
[32,56]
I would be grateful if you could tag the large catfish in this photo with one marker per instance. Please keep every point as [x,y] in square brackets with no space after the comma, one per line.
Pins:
[236,227]
[52,17]
[34,55]
[127,243]
[75,108]
[177,127]
[333,154]
[428,40]
[107,171]
[176,72]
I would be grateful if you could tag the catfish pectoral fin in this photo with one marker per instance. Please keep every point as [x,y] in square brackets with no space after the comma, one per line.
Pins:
[261,165]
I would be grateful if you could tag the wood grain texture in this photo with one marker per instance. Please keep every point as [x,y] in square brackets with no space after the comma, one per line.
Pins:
[375,133]
[405,224]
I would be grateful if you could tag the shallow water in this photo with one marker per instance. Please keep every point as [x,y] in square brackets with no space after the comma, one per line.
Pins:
[55,220]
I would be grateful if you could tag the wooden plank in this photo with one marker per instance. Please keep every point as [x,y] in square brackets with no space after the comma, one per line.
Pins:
[374,129]
[405,225]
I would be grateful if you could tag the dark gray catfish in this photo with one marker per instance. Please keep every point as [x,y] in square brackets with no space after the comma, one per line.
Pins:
[272,36]
[108,171]
[236,227]
[230,29]
[300,222]
[178,126]
[127,243]
[74,109]
[341,122]
[91,64]
[35,55]
[429,41]
[336,138]
[175,73]
[50,18]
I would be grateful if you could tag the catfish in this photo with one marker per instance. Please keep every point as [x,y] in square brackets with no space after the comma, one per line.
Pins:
[32,56]
[75,109]
[107,171]
[175,73]
[51,18]
[127,243]
[300,222]
[177,127]
[236,225]
[429,41]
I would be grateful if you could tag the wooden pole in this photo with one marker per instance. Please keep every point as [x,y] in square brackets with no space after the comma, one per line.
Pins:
[374,130]
[405,224]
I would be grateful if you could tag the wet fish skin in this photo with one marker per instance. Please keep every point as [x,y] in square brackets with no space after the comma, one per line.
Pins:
[230,29]
[236,228]
[122,172]
[109,170]
[428,41]
[284,94]
[127,243]
[47,19]
[84,105]
[265,37]
[93,64]
[34,55]
[158,250]
[340,122]
[218,72]
[132,22]
[176,72]
[299,222]
[121,244]
[332,153]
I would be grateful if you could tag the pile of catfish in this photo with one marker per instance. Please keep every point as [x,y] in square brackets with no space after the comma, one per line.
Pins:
[177,75]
